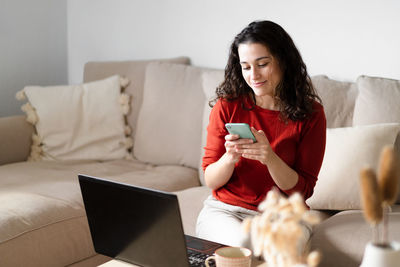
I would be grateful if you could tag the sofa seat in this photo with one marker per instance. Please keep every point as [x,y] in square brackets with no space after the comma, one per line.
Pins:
[190,204]
[43,217]
[162,177]
[341,236]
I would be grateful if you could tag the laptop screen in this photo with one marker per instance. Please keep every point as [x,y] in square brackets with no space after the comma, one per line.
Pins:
[134,224]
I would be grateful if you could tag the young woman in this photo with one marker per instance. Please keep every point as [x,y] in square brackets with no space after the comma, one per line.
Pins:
[266,85]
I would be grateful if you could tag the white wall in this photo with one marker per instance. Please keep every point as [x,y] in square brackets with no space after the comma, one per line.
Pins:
[340,38]
[33,47]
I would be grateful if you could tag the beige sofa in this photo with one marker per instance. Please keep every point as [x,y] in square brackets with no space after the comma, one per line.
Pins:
[42,219]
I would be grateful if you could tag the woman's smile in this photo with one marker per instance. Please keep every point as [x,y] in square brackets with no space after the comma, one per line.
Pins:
[258,84]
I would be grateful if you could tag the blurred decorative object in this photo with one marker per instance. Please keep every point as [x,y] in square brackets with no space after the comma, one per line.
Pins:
[378,193]
[382,256]
[281,232]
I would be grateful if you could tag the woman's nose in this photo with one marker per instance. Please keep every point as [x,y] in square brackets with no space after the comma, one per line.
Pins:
[254,74]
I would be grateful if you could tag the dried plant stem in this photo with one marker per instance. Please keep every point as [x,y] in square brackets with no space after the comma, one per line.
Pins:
[388,175]
[375,234]
[388,182]
[385,232]
[371,199]
[379,193]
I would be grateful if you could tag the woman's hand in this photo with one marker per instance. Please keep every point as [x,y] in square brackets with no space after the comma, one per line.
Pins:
[233,145]
[261,150]
[283,176]
[218,173]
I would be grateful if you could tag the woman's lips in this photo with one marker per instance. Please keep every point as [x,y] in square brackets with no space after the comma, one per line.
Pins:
[258,84]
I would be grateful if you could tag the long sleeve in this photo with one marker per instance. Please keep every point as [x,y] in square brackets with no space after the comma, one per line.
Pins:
[310,153]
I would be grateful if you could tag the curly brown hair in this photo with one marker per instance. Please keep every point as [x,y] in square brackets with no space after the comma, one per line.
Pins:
[295,93]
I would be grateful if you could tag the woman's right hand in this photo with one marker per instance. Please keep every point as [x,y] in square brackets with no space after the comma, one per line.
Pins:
[231,143]
[218,173]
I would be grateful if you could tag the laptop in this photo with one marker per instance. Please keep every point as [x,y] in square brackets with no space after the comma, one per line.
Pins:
[139,225]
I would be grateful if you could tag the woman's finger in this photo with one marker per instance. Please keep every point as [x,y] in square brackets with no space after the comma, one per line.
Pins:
[231,137]
[259,135]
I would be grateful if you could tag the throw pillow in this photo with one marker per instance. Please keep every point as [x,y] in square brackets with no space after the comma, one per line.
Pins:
[78,122]
[377,102]
[338,99]
[169,122]
[347,151]
[135,71]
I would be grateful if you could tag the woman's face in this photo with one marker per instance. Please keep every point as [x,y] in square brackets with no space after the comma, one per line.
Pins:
[260,69]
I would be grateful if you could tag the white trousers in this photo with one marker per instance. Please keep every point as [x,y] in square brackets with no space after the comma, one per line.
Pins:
[222,223]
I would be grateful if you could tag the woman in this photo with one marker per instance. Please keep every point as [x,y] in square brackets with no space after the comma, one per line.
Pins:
[266,85]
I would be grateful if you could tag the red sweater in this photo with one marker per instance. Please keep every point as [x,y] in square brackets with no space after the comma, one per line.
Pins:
[301,144]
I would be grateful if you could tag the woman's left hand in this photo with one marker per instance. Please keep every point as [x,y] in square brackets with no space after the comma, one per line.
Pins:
[261,150]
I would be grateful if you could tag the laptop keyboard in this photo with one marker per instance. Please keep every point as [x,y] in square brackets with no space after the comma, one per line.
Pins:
[196,259]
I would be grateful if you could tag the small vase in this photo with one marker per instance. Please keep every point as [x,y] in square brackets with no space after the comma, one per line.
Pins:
[382,256]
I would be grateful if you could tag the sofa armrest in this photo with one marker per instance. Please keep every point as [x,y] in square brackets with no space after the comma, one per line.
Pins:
[15,139]
[397,148]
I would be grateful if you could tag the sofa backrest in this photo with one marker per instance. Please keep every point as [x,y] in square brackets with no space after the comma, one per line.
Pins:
[338,99]
[169,121]
[368,101]
[134,71]
[16,139]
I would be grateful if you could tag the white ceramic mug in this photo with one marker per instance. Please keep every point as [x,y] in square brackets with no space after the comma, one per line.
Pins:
[231,256]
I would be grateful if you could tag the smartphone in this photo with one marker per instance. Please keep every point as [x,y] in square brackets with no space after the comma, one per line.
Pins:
[241,129]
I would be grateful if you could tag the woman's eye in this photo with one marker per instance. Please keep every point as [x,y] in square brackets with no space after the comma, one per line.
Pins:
[263,65]
[245,68]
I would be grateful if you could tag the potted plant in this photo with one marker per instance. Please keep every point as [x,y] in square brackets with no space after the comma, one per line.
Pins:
[378,192]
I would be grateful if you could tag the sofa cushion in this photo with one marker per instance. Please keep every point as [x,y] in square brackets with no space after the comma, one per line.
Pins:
[342,238]
[18,133]
[210,80]
[190,204]
[49,230]
[40,203]
[48,177]
[377,102]
[169,122]
[23,210]
[163,177]
[347,151]
[134,70]
[78,122]
[338,99]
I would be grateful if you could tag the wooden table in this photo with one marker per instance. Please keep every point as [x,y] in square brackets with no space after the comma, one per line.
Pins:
[118,263]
